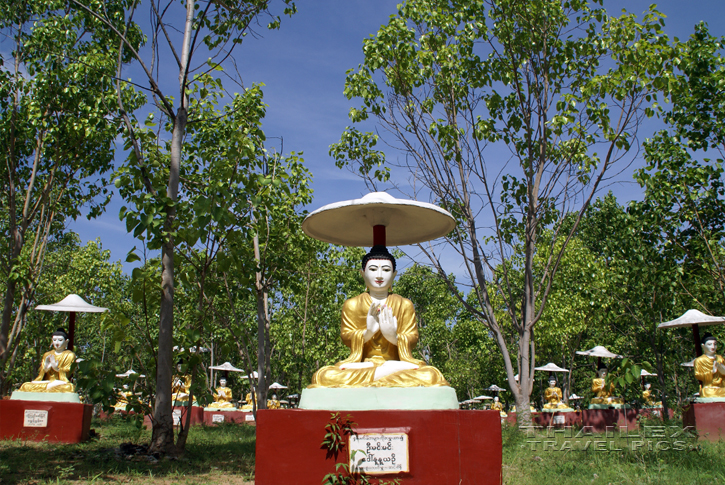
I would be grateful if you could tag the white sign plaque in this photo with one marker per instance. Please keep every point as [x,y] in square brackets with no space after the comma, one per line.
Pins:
[35,419]
[249,417]
[217,418]
[177,417]
[379,453]
[560,419]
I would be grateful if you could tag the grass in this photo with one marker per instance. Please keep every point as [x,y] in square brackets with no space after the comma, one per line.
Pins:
[221,454]
[225,454]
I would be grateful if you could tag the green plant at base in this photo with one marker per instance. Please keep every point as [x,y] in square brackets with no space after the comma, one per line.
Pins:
[337,430]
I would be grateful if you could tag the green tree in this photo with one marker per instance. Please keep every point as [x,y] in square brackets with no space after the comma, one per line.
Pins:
[57,130]
[210,30]
[558,88]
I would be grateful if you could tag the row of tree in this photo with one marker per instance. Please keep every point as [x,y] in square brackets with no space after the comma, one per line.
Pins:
[560,87]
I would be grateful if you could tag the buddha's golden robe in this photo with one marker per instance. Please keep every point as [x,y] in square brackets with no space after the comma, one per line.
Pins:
[180,388]
[553,397]
[41,383]
[250,401]
[378,350]
[712,384]
[122,400]
[604,395]
[223,398]
[649,399]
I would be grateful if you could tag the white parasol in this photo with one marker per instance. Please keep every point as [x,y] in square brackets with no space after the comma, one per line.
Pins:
[599,351]
[277,385]
[378,218]
[694,319]
[72,304]
[644,373]
[482,398]
[574,397]
[494,388]
[551,367]
[226,366]
[129,373]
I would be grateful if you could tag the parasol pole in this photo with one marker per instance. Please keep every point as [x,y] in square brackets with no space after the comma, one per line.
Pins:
[379,235]
[71,330]
[696,337]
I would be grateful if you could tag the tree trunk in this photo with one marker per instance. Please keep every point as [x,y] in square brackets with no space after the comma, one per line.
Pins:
[262,332]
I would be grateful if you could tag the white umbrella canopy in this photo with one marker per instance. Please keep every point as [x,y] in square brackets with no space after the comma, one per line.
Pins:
[644,373]
[226,366]
[129,373]
[254,375]
[551,367]
[351,222]
[482,398]
[277,385]
[495,388]
[692,317]
[72,303]
[293,396]
[574,397]
[599,351]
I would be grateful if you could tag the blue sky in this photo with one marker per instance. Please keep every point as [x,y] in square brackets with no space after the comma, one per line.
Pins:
[303,68]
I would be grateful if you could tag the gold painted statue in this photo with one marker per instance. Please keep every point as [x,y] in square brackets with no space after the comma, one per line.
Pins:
[250,400]
[602,394]
[223,396]
[381,331]
[553,396]
[497,405]
[122,398]
[180,387]
[648,397]
[710,370]
[55,368]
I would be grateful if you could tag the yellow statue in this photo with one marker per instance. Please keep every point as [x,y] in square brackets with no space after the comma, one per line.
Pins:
[381,331]
[648,397]
[553,396]
[273,403]
[180,387]
[55,367]
[223,396]
[603,395]
[250,401]
[122,398]
[710,369]
[497,405]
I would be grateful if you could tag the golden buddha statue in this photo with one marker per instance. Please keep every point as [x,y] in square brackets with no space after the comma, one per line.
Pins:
[55,368]
[648,397]
[497,405]
[250,400]
[122,398]
[381,331]
[181,386]
[599,388]
[273,403]
[710,370]
[553,396]
[223,396]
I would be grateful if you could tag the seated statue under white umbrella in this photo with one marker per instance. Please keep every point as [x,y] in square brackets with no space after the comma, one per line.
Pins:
[55,368]
[381,330]
[710,370]
[554,396]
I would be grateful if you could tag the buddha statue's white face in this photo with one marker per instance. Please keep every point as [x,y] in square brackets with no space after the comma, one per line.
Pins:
[647,386]
[378,275]
[495,399]
[59,343]
[709,348]
[223,382]
[552,382]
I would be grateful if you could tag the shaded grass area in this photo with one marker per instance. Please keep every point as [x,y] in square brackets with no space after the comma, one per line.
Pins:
[655,454]
[225,455]
[221,454]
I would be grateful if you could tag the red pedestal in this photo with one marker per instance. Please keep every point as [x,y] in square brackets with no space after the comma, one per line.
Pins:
[707,418]
[217,417]
[448,447]
[197,416]
[65,422]
[598,420]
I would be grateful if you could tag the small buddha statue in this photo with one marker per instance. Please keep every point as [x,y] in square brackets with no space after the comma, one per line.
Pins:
[553,396]
[497,405]
[55,367]
[381,331]
[648,397]
[122,398]
[222,396]
[250,400]
[180,386]
[273,403]
[710,370]
[599,388]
